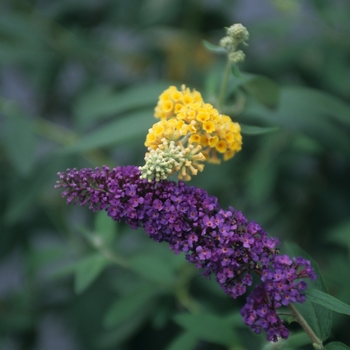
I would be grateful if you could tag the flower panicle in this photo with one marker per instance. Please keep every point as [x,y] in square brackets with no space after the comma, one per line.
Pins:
[220,242]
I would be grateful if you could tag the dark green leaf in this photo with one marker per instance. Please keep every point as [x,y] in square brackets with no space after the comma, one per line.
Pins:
[336,346]
[318,115]
[208,327]
[185,341]
[340,234]
[128,305]
[318,317]
[213,48]
[328,301]
[257,130]
[104,102]
[25,192]
[115,132]
[39,258]
[19,138]
[264,90]
[105,228]
[124,330]
[296,341]
[153,268]
[87,270]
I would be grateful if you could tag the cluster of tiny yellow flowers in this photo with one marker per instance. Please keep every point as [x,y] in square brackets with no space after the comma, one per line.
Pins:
[190,131]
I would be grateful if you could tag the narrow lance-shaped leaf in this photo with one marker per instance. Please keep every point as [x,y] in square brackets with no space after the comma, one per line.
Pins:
[115,132]
[87,270]
[185,341]
[208,327]
[19,138]
[328,301]
[336,346]
[126,306]
[214,48]
[257,130]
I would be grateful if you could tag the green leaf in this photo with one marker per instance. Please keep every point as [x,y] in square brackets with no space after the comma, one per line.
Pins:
[19,138]
[100,103]
[153,268]
[336,346]
[115,132]
[87,270]
[318,317]
[315,114]
[185,341]
[213,48]
[328,301]
[208,327]
[340,234]
[296,341]
[105,228]
[25,192]
[264,90]
[39,258]
[257,130]
[128,305]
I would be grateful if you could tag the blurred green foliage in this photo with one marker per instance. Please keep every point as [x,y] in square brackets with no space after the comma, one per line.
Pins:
[79,81]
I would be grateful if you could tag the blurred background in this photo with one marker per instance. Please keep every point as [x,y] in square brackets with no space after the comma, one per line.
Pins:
[78,84]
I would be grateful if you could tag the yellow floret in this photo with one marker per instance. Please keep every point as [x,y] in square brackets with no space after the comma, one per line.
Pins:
[209,126]
[221,146]
[212,141]
[194,138]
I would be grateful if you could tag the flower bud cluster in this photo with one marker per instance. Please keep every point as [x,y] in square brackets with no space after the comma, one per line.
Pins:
[169,158]
[220,242]
[236,34]
[195,125]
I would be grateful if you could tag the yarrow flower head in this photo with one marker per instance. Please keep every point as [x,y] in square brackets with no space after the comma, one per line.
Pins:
[220,242]
[192,124]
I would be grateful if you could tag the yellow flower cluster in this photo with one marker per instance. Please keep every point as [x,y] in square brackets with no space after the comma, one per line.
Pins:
[187,120]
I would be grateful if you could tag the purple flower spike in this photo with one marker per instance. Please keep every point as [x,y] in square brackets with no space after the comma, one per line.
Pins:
[221,242]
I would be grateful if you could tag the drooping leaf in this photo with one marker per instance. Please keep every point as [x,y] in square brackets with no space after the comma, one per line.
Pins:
[87,270]
[105,228]
[264,90]
[257,130]
[317,115]
[340,234]
[185,341]
[115,132]
[328,301]
[336,346]
[296,341]
[213,48]
[128,305]
[19,138]
[100,103]
[153,268]
[25,192]
[208,327]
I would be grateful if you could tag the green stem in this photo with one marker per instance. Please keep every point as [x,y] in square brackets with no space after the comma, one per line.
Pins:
[224,84]
[316,342]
